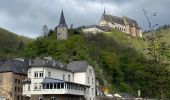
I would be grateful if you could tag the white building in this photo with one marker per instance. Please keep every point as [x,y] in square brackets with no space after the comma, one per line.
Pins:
[50,80]
[95,29]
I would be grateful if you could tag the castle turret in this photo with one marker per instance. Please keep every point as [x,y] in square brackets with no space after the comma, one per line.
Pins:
[62,33]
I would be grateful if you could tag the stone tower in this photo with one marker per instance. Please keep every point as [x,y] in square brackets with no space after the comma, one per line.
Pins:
[62,33]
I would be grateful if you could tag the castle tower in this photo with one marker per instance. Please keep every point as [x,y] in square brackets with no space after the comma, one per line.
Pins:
[62,33]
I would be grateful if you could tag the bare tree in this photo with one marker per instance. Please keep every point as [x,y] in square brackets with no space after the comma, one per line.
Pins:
[157,63]
[45,30]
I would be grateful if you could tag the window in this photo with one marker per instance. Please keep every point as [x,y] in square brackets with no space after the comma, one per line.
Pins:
[40,98]
[18,97]
[92,80]
[63,77]
[58,86]
[53,98]
[40,86]
[28,87]
[15,89]
[15,80]
[49,74]
[19,81]
[35,74]
[88,80]
[92,91]
[41,74]
[55,86]
[68,77]
[18,89]
[51,86]
[62,85]
[47,86]
[35,86]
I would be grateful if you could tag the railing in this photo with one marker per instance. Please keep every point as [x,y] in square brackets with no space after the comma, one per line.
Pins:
[56,91]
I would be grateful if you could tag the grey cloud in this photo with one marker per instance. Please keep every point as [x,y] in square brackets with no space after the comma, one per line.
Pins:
[27,17]
[115,2]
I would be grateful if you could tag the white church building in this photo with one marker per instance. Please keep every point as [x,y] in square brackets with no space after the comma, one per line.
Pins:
[51,80]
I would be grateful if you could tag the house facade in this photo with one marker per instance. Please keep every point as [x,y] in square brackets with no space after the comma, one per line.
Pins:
[51,80]
[124,24]
[12,72]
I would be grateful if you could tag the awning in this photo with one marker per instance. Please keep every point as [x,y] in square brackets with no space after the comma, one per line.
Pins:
[50,80]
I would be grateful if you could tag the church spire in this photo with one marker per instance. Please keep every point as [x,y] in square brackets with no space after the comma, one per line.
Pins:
[62,22]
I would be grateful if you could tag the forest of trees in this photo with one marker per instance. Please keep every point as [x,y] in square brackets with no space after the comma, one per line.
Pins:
[119,57]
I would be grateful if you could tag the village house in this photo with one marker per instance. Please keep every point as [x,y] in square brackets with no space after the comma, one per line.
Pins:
[51,80]
[12,72]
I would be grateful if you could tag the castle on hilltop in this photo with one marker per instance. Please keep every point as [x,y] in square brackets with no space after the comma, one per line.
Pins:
[124,24]
[106,23]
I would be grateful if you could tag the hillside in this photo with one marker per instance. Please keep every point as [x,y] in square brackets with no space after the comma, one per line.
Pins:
[11,45]
[117,58]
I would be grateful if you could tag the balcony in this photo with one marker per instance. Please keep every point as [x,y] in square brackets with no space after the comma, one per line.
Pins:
[63,91]
[55,86]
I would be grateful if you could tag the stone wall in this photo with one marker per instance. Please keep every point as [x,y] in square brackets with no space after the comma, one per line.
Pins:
[6,85]
[17,83]
[11,86]
[62,33]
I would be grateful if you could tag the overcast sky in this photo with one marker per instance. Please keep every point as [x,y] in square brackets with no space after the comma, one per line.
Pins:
[26,17]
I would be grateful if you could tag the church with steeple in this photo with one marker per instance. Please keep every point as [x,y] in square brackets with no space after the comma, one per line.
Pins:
[62,33]
[124,24]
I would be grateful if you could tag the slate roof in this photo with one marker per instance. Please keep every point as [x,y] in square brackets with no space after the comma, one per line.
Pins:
[119,20]
[40,62]
[62,22]
[14,66]
[1,62]
[131,22]
[113,19]
[78,66]
[52,80]
[74,66]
